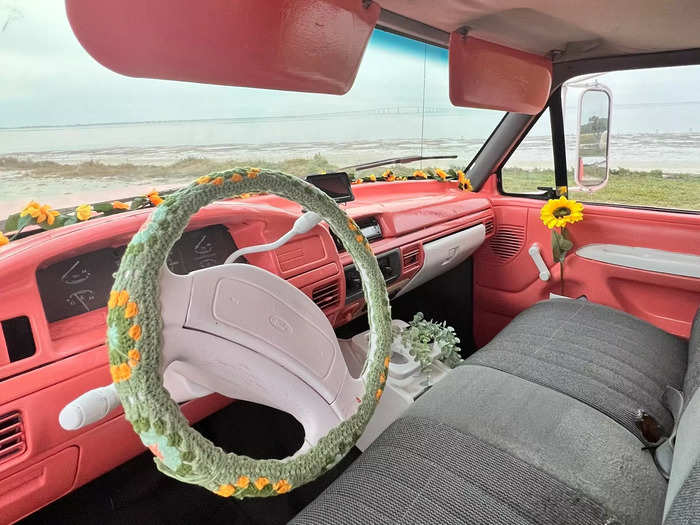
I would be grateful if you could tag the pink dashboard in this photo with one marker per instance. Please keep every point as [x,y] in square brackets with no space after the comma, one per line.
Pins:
[54,287]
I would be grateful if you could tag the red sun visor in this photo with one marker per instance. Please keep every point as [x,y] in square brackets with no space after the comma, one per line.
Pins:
[294,45]
[491,76]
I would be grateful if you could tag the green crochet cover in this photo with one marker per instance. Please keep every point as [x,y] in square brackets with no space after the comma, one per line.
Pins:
[134,339]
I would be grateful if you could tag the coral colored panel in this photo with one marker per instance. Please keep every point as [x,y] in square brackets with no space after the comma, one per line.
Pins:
[491,76]
[294,45]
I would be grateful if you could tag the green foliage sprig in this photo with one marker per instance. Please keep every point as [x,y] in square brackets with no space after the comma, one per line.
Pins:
[422,336]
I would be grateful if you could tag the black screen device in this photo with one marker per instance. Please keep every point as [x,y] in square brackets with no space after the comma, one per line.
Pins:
[335,185]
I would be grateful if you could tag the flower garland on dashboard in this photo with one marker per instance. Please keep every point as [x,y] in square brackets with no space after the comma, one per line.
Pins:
[47,218]
[438,174]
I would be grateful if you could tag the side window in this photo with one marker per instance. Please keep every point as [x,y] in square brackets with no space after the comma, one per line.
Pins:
[532,163]
[654,137]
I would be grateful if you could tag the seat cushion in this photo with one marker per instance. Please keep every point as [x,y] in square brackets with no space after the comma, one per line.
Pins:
[484,446]
[605,358]
[692,376]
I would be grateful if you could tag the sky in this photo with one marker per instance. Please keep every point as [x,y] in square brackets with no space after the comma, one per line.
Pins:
[48,80]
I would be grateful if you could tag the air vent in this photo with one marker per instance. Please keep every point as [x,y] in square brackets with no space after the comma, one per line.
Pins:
[410,257]
[507,242]
[370,229]
[489,226]
[11,436]
[327,295]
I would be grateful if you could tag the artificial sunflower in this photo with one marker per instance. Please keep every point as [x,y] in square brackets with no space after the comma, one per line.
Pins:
[3,239]
[557,213]
[119,205]
[154,198]
[83,212]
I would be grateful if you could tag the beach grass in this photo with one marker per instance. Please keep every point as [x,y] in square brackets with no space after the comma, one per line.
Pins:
[640,188]
[637,188]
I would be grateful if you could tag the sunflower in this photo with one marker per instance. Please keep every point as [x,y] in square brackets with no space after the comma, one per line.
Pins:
[3,240]
[557,213]
[83,212]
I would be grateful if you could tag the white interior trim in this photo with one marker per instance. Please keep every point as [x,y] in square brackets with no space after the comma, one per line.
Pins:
[660,261]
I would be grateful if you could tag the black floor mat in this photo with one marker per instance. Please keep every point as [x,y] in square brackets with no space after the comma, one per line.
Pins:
[136,492]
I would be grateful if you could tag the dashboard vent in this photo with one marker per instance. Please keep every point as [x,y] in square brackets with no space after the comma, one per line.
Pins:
[370,228]
[507,242]
[327,295]
[489,226]
[12,441]
[411,257]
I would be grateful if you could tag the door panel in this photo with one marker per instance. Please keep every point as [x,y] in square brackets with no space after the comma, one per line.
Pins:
[506,280]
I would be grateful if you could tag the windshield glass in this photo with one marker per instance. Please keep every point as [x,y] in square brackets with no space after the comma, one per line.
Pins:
[72,131]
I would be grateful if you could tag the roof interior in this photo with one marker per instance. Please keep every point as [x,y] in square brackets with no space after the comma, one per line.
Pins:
[574,30]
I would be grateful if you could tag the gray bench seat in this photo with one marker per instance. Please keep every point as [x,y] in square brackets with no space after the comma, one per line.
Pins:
[491,444]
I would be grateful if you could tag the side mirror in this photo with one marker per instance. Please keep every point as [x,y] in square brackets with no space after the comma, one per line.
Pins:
[593,138]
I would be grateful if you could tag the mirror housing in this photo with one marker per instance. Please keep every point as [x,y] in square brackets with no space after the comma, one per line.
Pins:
[295,45]
[591,170]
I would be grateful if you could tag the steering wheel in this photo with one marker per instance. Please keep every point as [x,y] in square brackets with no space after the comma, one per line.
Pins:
[246,333]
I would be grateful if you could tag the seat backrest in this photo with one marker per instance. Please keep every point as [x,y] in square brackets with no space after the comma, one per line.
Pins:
[683,496]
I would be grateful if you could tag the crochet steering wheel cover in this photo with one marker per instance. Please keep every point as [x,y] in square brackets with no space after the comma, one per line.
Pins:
[134,337]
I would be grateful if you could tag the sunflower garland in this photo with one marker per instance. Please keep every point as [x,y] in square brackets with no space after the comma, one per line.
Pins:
[47,218]
[559,213]
[438,174]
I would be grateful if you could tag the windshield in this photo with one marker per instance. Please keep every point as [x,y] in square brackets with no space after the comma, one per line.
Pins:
[73,131]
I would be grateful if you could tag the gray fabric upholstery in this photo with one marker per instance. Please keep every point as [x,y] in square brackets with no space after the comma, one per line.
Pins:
[684,483]
[537,428]
[553,432]
[692,376]
[549,435]
[420,471]
[605,358]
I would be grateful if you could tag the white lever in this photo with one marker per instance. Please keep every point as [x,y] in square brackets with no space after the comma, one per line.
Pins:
[302,225]
[534,252]
[92,406]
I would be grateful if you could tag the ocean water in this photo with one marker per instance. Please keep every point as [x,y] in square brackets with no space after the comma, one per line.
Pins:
[164,143]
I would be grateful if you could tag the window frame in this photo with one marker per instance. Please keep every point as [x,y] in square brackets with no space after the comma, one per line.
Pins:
[559,158]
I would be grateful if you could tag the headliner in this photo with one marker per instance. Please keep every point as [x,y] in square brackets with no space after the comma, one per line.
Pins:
[593,28]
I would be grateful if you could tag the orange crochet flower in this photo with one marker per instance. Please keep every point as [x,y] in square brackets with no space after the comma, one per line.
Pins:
[112,303]
[119,205]
[135,332]
[282,486]
[122,298]
[203,179]
[261,483]
[386,362]
[131,310]
[253,172]
[378,394]
[120,372]
[225,490]
[83,212]
[236,177]
[218,181]
[242,482]
[134,356]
